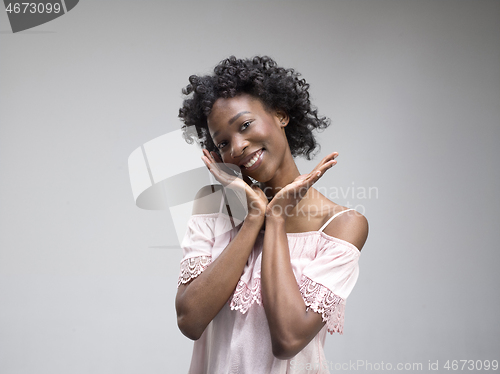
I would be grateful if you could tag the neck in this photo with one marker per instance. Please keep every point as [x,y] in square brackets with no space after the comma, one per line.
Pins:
[285,175]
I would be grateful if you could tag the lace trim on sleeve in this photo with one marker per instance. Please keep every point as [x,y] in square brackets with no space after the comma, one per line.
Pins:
[244,296]
[321,300]
[192,267]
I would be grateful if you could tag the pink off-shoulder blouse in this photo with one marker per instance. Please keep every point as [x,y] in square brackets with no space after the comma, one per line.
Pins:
[238,339]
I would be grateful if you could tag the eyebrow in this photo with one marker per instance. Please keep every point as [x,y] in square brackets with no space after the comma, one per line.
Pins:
[231,121]
[237,116]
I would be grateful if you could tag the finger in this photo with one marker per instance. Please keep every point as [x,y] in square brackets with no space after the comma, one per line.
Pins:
[317,172]
[326,162]
[334,155]
[247,180]
[206,157]
[327,166]
[328,159]
[206,161]
[216,157]
[223,177]
[210,159]
[228,168]
[306,182]
[209,163]
[331,156]
[213,163]
[314,176]
[206,153]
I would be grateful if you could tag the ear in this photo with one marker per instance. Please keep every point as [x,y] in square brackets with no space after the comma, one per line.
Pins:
[282,118]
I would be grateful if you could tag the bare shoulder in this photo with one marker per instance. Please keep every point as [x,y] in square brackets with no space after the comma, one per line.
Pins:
[207,200]
[350,226]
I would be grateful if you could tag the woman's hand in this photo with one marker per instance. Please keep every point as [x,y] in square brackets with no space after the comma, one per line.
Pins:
[202,298]
[283,203]
[255,198]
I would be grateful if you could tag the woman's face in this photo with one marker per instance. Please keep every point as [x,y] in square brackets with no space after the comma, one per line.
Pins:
[248,135]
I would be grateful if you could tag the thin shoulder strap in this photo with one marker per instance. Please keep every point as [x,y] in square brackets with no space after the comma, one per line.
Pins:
[225,201]
[331,219]
[222,201]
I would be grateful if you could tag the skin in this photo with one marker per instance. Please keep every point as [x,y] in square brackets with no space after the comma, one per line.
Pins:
[240,126]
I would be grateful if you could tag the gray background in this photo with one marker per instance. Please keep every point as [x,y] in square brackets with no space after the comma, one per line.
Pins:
[87,284]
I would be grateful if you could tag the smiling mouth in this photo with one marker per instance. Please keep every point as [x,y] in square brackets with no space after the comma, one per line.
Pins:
[253,160]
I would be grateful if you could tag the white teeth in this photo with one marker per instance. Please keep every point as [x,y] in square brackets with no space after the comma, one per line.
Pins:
[253,160]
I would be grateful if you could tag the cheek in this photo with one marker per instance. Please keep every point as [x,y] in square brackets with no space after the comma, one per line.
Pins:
[227,159]
[224,157]
[269,134]
[277,138]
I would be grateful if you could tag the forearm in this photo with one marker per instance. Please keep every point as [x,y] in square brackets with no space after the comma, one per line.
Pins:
[198,302]
[291,327]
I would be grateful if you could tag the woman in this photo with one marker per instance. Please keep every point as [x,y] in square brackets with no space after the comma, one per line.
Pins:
[259,297]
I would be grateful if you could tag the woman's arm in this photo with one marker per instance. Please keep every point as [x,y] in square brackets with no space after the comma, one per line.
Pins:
[291,326]
[199,301]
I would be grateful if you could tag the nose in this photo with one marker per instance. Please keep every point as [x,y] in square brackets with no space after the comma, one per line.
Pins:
[238,146]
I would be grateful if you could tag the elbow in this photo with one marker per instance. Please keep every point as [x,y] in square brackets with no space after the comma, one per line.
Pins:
[188,328]
[285,349]
[188,322]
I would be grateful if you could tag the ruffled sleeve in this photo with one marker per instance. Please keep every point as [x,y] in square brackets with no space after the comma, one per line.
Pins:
[328,280]
[197,247]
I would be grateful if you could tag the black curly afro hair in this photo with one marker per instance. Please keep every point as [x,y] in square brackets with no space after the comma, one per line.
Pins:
[277,88]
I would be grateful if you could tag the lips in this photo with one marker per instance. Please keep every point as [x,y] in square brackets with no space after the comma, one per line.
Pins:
[253,161]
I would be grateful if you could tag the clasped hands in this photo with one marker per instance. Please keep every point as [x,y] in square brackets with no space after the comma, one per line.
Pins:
[283,202]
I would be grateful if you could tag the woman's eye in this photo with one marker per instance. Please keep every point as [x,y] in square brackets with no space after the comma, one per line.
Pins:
[245,125]
[221,145]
